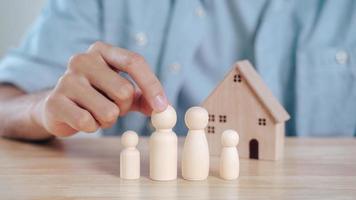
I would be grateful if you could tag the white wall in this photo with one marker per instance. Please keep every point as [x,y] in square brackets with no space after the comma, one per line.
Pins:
[16,16]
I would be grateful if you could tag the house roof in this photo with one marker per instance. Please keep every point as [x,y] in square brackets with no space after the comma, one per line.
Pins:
[262,91]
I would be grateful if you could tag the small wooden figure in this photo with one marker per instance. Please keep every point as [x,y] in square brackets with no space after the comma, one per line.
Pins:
[163,146]
[195,156]
[243,102]
[129,156]
[229,167]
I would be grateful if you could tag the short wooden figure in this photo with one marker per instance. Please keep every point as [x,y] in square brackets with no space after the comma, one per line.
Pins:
[195,156]
[163,146]
[229,166]
[129,156]
[243,102]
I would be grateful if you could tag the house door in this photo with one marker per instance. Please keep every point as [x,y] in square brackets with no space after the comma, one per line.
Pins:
[253,149]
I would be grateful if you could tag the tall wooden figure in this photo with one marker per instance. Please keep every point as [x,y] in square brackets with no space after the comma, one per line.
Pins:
[195,157]
[163,146]
[129,156]
[229,157]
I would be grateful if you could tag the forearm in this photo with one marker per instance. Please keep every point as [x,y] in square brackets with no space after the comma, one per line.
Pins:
[17,110]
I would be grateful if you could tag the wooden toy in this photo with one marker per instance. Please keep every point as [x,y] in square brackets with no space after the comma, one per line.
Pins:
[229,166]
[163,146]
[195,156]
[243,102]
[129,156]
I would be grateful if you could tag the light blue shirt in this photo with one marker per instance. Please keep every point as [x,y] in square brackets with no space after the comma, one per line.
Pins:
[304,50]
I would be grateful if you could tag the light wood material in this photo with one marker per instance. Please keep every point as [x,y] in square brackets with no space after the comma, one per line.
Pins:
[229,157]
[89,169]
[244,103]
[129,156]
[195,155]
[163,146]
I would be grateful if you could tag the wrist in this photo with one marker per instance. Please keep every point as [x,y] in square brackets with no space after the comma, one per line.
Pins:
[36,117]
[35,112]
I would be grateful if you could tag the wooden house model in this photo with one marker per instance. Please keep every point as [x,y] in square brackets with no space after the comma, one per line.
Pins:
[243,102]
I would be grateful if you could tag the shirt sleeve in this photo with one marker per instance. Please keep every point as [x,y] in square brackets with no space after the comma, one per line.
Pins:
[64,28]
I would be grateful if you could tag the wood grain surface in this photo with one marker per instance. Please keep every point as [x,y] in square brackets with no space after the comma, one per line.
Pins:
[89,169]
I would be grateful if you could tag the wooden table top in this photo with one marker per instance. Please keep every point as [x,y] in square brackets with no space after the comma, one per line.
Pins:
[89,169]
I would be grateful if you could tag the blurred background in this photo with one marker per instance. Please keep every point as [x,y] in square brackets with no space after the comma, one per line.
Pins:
[11,31]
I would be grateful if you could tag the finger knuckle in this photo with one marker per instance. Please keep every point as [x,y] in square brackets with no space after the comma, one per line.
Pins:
[69,82]
[52,101]
[76,61]
[126,92]
[95,56]
[83,120]
[66,78]
[91,128]
[135,58]
[97,45]
[110,114]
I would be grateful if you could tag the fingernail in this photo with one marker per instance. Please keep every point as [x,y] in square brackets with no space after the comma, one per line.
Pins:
[160,103]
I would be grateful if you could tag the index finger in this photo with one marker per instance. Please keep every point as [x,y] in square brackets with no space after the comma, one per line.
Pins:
[136,66]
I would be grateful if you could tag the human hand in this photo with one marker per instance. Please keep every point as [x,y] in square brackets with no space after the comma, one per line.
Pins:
[91,94]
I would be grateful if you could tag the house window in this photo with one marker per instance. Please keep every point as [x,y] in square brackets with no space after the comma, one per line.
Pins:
[211,129]
[262,122]
[237,78]
[222,118]
[211,118]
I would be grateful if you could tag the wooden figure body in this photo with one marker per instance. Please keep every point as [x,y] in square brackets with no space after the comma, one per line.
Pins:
[129,156]
[243,102]
[163,146]
[229,166]
[195,156]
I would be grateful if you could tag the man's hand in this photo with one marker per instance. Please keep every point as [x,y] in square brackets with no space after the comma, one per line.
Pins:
[91,93]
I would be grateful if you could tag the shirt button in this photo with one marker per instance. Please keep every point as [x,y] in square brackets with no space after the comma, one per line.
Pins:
[199,11]
[141,39]
[342,57]
[175,67]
